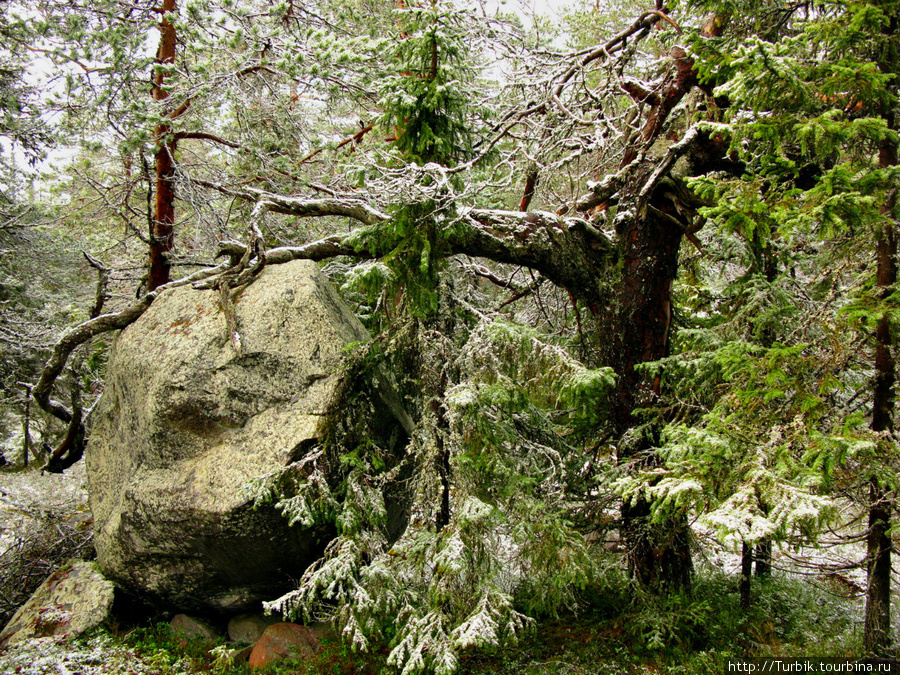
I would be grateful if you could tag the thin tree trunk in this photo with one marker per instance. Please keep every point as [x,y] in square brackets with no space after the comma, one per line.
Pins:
[876,635]
[764,546]
[764,558]
[746,572]
[26,426]
[163,224]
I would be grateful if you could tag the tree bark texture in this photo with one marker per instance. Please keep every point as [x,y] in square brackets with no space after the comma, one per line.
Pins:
[637,327]
[764,558]
[876,634]
[638,332]
[162,235]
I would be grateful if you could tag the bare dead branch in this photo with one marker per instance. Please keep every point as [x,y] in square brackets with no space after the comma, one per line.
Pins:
[203,136]
[322,249]
[304,207]
[497,280]
[355,138]
[528,290]
[102,294]
[72,447]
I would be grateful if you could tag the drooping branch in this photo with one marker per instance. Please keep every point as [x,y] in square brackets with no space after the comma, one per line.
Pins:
[560,248]
[569,251]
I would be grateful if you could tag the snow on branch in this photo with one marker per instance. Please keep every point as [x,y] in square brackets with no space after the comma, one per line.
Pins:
[675,151]
[304,207]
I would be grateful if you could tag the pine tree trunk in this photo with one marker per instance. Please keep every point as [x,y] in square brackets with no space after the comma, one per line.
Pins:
[876,635]
[768,265]
[877,626]
[763,554]
[163,224]
[659,554]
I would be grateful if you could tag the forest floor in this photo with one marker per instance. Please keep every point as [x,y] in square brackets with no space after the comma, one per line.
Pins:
[614,633]
[788,618]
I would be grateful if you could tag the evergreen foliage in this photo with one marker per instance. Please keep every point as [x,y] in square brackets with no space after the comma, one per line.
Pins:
[510,549]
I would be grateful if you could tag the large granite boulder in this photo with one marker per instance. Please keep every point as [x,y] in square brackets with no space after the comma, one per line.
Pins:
[186,423]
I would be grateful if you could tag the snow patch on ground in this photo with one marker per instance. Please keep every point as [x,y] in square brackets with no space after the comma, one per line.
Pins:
[96,656]
[26,496]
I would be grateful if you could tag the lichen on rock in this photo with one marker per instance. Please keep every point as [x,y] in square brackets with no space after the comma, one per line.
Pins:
[72,600]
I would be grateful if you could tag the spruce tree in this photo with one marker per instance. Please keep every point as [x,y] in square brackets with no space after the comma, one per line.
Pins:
[810,98]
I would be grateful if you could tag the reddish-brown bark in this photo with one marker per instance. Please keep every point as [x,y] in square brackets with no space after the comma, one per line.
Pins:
[637,330]
[162,235]
[531,182]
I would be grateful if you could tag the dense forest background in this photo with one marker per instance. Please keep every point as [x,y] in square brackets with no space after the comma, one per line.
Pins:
[634,270]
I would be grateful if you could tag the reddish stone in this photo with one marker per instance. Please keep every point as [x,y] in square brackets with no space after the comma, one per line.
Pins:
[283,641]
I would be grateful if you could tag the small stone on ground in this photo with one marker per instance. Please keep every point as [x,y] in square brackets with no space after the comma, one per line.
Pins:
[247,629]
[190,629]
[283,641]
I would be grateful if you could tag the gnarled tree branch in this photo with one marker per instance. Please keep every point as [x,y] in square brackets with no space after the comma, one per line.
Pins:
[304,207]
